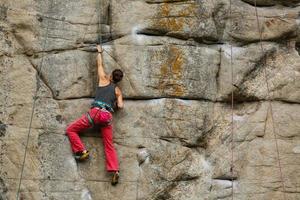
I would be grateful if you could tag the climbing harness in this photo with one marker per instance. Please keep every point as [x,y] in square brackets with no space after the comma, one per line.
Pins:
[270,104]
[103,105]
[91,120]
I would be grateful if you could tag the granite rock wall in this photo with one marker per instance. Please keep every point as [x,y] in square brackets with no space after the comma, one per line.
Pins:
[178,136]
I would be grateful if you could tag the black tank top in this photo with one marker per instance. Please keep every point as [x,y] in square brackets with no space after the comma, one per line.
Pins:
[106,94]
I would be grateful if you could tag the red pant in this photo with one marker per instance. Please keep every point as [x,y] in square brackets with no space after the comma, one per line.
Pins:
[100,117]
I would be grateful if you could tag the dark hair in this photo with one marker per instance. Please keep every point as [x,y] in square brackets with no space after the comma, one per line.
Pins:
[117,75]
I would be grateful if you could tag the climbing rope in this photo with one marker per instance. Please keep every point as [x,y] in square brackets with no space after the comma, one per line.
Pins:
[269,101]
[99,39]
[99,25]
[99,33]
[34,104]
[232,105]
[81,41]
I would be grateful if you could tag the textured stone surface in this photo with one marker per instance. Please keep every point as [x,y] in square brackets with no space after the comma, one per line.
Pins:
[168,70]
[249,66]
[177,137]
[75,69]
[274,23]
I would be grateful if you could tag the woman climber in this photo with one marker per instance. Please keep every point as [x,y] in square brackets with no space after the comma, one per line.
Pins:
[108,96]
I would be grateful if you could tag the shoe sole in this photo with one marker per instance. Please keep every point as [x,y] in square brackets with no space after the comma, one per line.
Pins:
[115,179]
[84,157]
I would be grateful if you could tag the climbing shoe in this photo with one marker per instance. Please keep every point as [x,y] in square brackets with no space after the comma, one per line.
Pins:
[82,155]
[115,178]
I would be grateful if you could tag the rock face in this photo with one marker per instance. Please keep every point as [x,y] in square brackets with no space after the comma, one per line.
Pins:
[178,136]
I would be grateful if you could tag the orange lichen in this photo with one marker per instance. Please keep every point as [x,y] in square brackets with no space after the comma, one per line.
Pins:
[190,11]
[171,24]
[177,61]
[164,10]
[167,22]
[170,19]
[171,73]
